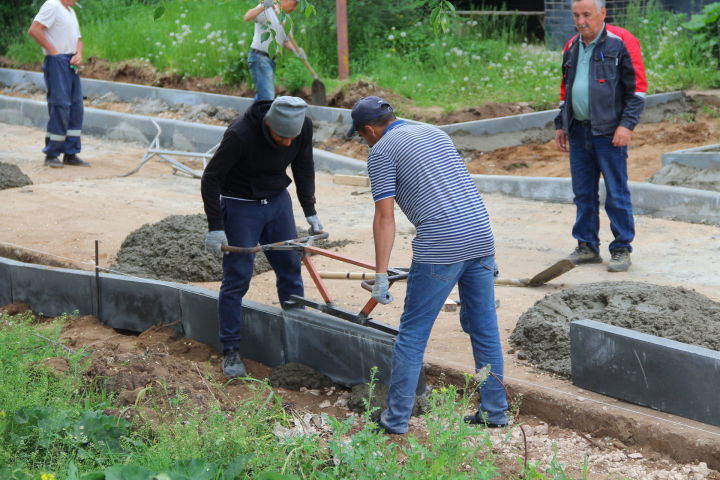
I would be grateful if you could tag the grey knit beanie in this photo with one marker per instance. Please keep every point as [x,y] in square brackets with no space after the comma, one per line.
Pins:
[286,116]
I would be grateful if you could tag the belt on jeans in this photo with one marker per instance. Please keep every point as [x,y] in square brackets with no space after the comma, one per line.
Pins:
[260,52]
[583,123]
[261,201]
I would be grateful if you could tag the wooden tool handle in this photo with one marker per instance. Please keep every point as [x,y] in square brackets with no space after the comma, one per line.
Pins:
[348,275]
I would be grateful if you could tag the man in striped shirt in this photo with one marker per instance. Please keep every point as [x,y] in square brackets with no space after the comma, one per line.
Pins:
[418,167]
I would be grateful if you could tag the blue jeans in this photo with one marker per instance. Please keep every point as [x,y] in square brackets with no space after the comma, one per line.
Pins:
[262,70]
[428,287]
[65,106]
[591,155]
[248,223]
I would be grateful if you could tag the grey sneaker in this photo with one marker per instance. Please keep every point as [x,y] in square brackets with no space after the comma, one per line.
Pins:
[74,160]
[619,260]
[53,162]
[233,365]
[584,254]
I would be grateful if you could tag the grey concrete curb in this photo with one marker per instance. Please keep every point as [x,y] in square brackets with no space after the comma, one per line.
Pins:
[647,370]
[129,92]
[344,351]
[675,203]
[707,156]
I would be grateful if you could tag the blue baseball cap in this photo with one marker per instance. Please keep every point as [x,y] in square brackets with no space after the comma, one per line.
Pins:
[366,110]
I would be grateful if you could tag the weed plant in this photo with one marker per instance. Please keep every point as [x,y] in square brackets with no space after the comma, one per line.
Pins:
[474,60]
[53,427]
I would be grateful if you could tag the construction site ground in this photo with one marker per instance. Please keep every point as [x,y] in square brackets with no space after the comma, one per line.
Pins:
[66,210]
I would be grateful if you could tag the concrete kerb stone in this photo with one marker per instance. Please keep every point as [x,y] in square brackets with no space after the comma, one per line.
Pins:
[663,374]
[344,351]
[676,203]
[707,156]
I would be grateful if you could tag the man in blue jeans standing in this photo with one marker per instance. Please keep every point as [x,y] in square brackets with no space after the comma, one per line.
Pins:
[55,28]
[260,62]
[418,167]
[602,95]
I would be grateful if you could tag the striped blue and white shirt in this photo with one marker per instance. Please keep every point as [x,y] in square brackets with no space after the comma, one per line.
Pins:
[420,167]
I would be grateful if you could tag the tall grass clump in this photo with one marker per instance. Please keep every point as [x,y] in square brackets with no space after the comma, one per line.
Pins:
[673,55]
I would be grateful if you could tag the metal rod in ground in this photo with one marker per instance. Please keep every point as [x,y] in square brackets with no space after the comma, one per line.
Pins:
[97,279]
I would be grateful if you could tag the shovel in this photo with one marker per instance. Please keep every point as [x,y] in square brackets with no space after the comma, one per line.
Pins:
[318,87]
[553,271]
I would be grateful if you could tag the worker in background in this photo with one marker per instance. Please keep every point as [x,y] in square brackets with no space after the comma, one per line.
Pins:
[602,95]
[260,60]
[55,28]
[244,191]
[419,168]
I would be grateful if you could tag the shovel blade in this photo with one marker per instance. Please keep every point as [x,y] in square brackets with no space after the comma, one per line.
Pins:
[318,93]
[553,271]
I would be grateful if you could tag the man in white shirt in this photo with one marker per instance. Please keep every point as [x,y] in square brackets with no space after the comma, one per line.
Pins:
[262,66]
[55,28]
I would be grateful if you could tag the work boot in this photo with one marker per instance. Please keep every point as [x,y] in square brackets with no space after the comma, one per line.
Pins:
[233,365]
[584,254]
[619,260]
[479,419]
[74,160]
[53,162]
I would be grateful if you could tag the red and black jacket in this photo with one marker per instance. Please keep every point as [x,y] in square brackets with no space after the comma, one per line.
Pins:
[616,81]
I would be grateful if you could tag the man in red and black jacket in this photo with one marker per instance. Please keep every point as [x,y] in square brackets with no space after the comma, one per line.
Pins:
[244,191]
[602,95]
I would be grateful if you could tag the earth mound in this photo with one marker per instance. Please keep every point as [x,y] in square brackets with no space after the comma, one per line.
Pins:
[12,177]
[542,332]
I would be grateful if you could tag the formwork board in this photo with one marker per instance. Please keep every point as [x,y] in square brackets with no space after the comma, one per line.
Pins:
[53,291]
[136,304]
[342,350]
[666,375]
[6,267]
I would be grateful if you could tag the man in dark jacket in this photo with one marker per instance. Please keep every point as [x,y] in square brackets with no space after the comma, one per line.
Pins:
[244,191]
[602,95]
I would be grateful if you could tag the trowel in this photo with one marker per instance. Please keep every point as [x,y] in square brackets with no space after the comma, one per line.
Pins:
[553,271]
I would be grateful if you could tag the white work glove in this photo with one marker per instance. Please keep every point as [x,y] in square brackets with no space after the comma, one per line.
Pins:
[380,289]
[300,53]
[267,3]
[214,240]
[315,225]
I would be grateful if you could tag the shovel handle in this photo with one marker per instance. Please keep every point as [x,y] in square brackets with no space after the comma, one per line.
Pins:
[271,246]
[513,282]
[310,69]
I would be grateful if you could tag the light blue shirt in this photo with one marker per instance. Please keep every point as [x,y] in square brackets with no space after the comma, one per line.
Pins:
[580,88]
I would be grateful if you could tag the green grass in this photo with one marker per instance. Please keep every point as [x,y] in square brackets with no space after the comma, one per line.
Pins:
[54,425]
[475,61]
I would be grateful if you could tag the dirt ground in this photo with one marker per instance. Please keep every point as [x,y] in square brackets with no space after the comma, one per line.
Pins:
[66,210]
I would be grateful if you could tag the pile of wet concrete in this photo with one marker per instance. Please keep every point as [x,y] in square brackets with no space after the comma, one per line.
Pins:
[12,177]
[173,250]
[542,333]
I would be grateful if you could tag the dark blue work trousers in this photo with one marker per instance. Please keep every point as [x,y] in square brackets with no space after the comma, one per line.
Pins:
[248,223]
[590,156]
[65,106]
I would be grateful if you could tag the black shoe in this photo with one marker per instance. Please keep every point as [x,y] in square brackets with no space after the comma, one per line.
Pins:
[584,254]
[74,160]
[53,162]
[619,260]
[233,365]
[381,429]
[478,419]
